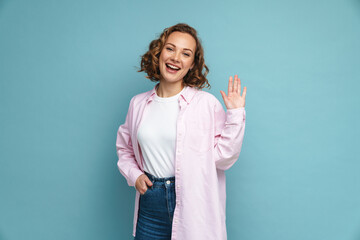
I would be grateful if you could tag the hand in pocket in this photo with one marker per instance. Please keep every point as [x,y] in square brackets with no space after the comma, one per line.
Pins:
[142,183]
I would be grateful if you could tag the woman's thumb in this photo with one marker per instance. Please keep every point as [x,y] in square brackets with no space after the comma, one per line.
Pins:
[223,94]
[148,182]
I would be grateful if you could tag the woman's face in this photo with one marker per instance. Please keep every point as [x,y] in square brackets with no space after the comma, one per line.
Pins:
[177,56]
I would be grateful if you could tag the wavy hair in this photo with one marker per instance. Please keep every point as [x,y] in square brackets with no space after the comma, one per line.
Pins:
[196,77]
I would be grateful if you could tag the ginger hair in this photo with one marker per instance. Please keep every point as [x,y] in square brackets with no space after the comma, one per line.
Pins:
[196,77]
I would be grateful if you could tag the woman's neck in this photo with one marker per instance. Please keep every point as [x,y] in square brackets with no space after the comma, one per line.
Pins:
[166,89]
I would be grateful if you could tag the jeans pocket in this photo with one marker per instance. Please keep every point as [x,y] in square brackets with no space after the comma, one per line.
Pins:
[147,191]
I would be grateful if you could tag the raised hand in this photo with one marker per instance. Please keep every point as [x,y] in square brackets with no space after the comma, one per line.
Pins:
[234,99]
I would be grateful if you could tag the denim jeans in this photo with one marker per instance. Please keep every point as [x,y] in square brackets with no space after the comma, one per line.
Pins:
[156,210]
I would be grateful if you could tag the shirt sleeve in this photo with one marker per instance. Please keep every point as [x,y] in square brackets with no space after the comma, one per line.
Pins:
[127,163]
[229,135]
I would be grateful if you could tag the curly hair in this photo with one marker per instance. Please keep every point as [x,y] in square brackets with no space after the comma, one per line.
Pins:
[196,77]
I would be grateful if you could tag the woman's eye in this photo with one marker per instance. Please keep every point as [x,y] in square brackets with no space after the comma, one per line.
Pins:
[170,49]
[186,54]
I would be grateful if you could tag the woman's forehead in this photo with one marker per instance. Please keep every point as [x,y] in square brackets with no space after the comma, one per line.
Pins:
[182,40]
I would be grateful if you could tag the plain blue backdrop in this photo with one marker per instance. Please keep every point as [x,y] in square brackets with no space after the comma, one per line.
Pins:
[68,72]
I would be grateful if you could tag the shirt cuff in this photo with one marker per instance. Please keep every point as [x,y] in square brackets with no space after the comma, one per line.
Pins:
[135,173]
[235,114]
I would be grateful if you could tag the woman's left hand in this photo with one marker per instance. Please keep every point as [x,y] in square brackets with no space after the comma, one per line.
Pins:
[234,99]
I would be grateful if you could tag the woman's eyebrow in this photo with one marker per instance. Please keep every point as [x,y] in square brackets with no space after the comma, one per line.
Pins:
[184,48]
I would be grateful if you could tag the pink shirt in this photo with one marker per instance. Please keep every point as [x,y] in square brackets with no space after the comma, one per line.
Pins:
[208,142]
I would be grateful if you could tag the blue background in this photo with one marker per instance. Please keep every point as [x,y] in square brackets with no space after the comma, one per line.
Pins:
[68,72]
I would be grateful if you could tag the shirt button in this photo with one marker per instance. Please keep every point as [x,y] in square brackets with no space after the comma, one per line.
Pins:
[178,169]
[168,181]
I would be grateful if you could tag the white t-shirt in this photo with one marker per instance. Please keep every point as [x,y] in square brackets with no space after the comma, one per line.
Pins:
[157,135]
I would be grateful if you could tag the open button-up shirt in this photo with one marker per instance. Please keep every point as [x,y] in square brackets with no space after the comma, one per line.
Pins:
[208,141]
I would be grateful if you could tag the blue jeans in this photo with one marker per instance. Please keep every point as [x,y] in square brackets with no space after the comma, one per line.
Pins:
[156,210]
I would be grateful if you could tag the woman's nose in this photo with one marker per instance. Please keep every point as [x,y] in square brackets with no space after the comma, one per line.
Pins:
[176,56]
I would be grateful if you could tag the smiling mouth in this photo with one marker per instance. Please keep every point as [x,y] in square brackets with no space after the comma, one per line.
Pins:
[172,67]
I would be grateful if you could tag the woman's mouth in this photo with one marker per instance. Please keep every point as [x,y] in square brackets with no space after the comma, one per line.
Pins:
[171,68]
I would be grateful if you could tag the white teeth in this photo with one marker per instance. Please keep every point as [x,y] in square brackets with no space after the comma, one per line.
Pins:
[172,67]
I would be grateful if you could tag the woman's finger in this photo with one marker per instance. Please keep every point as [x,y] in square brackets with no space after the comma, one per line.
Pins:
[244,92]
[239,89]
[230,86]
[236,85]
[143,184]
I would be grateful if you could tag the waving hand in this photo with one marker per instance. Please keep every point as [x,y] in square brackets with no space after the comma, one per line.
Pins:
[234,99]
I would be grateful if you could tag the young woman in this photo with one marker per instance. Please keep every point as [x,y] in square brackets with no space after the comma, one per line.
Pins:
[177,141]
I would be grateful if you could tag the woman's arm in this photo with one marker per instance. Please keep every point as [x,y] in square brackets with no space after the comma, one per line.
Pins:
[127,163]
[229,126]
[229,135]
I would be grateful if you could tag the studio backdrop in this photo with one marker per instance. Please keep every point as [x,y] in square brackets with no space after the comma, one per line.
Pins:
[68,70]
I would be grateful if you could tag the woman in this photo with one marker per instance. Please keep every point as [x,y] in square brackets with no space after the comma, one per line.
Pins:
[177,141]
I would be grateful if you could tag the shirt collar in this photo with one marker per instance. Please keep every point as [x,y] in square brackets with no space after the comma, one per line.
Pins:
[187,94]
